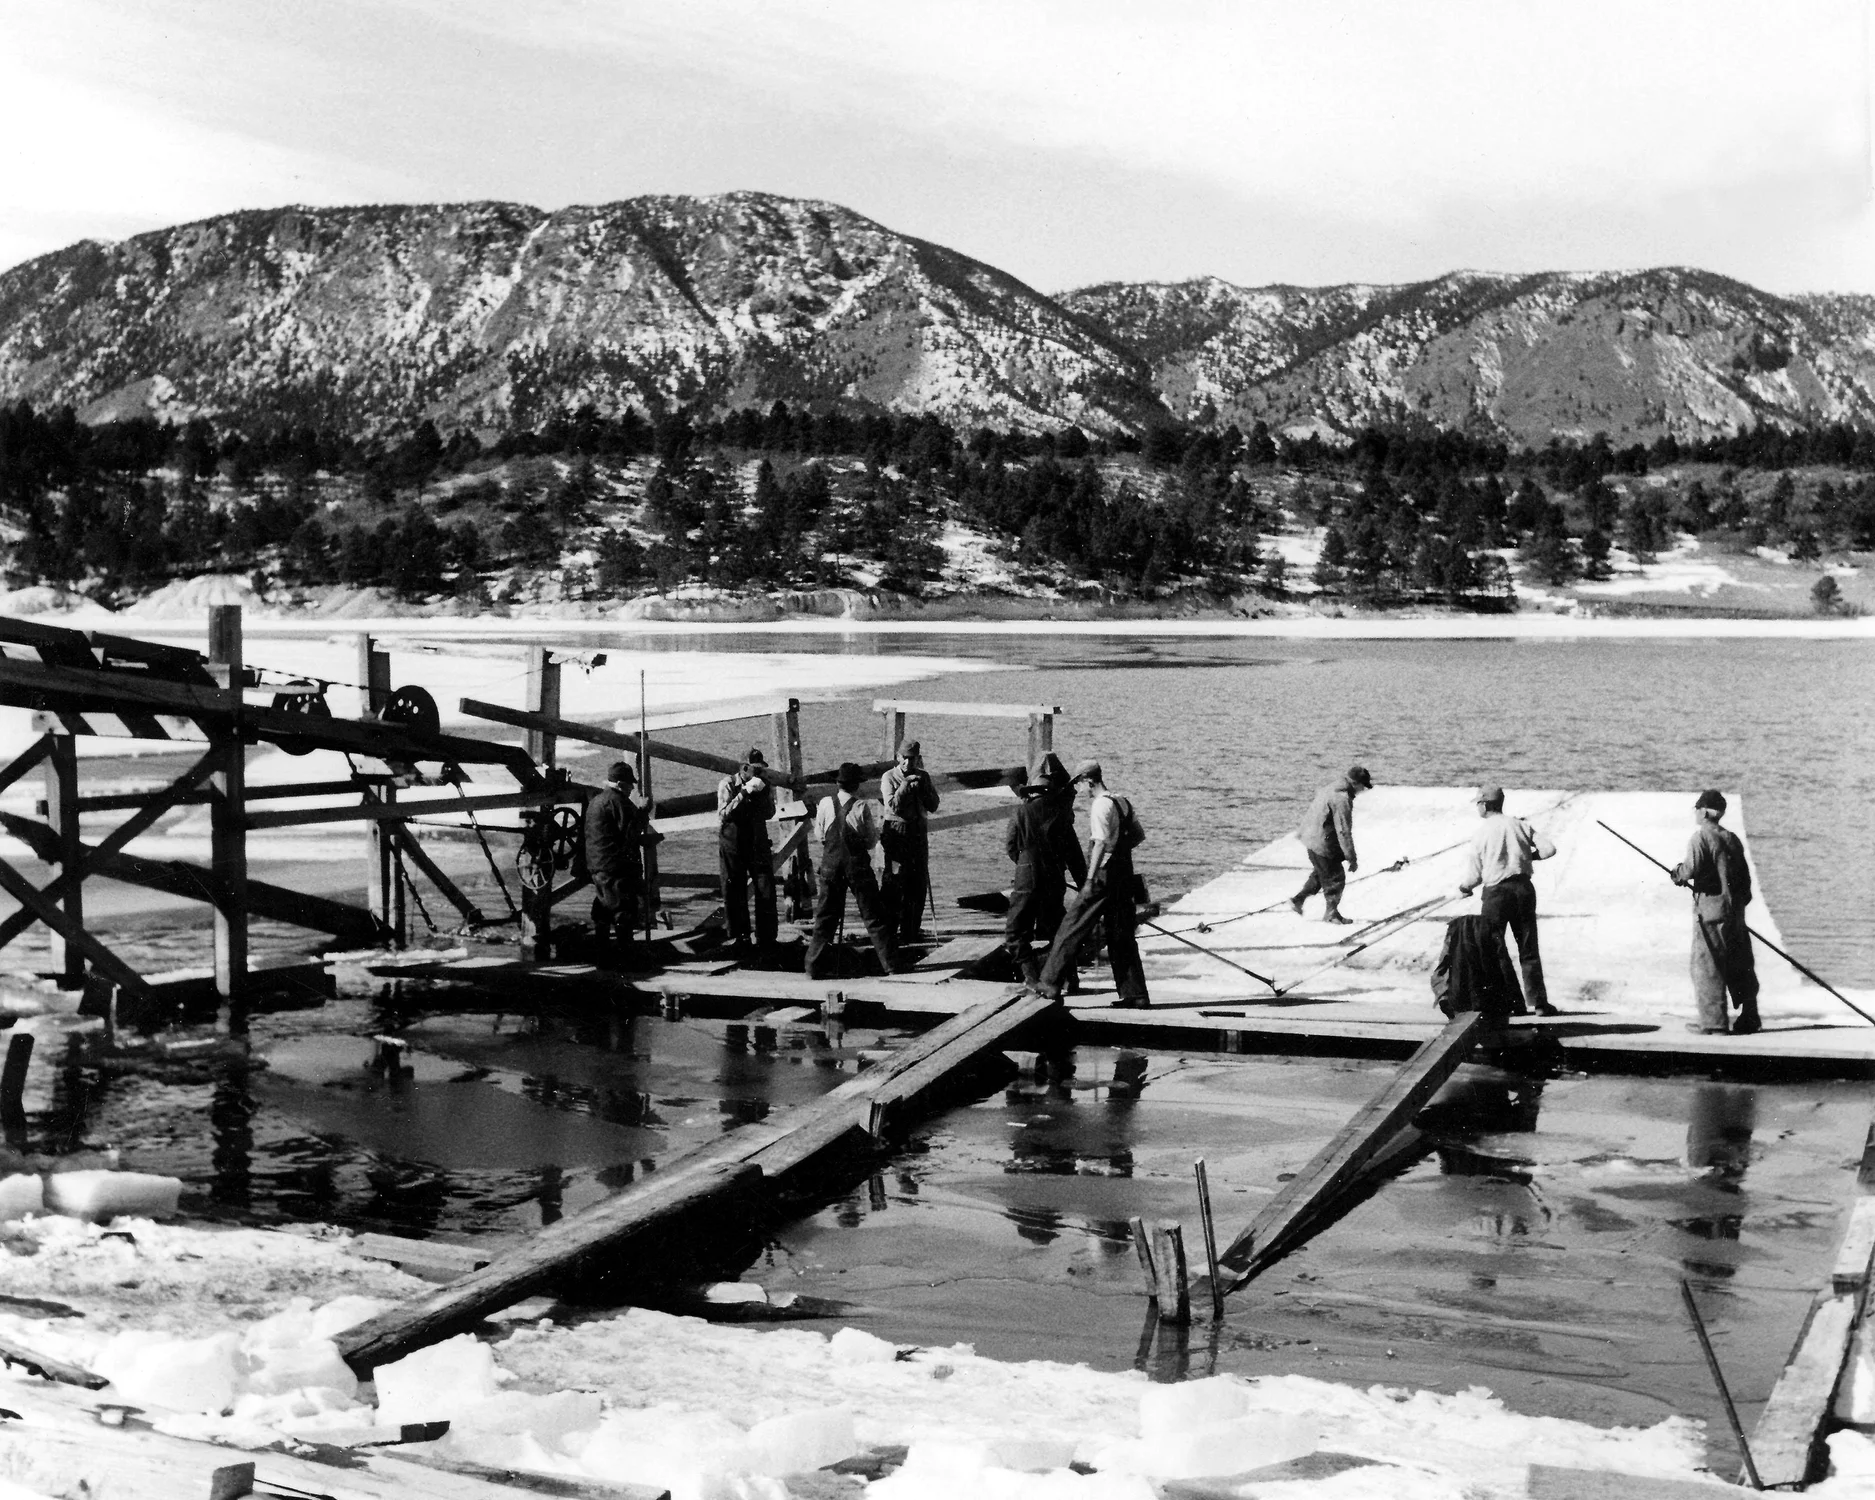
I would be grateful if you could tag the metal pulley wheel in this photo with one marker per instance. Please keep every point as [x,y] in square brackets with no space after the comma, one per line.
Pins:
[307,705]
[563,829]
[534,862]
[413,707]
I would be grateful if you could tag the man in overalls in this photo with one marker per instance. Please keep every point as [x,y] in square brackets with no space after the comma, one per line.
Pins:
[848,826]
[1040,839]
[744,804]
[1106,899]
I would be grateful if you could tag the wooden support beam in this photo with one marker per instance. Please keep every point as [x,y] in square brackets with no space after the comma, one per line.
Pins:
[271,903]
[964,710]
[1041,738]
[593,734]
[451,892]
[61,781]
[102,959]
[554,1252]
[1171,1272]
[894,733]
[794,863]
[56,645]
[79,861]
[543,704]
[228,823]
[788,1140]
[993,812]
[1285,1219]
[398,812]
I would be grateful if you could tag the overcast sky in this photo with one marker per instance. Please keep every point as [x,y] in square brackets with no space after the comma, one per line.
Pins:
[1067,141]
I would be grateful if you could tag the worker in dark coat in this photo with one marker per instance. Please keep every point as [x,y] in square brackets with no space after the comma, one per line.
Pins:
[1717,873]
[1327,835]
[745,802]
[848,826]
[1106,901]
[910,797]
[617,830]
[1040,839]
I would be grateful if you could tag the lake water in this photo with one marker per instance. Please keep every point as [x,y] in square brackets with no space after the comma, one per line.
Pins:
[1531,1238]
[1221,742]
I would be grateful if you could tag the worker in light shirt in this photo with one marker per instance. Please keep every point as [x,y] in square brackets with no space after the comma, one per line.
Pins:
[848,827]
[1500,858]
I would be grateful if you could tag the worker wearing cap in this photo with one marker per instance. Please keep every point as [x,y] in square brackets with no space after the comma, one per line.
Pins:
[1040,839]
[1500,858]
[744,804]
[1107,895]
[1717,873]
[616,831]
[910,797]
[848,826]
[1327,835]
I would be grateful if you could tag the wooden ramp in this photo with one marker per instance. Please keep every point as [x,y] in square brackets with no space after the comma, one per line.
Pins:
[859,1112]
[1286,1219]
[1787,1443]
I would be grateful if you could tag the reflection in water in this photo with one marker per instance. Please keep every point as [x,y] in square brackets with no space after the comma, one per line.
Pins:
[1718,1133]
[1719,1129]
[231,1123]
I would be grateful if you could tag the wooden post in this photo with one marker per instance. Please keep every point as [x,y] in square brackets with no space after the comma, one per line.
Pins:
[789,758]
[61,777]
[1168,1264]
[1041,738]
[543,748]
[543,697]
[894,733]
[228,825]
[374,679]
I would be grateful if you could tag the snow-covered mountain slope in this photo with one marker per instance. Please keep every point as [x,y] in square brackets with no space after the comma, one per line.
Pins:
[1634,355]
[491,314]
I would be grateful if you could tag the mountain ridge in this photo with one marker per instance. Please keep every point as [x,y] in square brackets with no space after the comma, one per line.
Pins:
[489,315]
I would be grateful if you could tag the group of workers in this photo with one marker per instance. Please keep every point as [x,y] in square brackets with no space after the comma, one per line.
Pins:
[1047,940]
[1498,862]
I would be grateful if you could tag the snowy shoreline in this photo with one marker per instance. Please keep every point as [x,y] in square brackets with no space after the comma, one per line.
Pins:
[719,1412]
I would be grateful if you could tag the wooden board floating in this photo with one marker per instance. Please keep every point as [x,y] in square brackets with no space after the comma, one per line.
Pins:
[739,1162]
[1285,1218]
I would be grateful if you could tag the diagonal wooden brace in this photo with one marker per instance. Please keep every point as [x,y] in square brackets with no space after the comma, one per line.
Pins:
[159,803]
[420,857]
[103,960]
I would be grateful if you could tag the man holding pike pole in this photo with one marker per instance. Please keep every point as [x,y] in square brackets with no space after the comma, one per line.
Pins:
[1716,872]
[1327,835]
[1500,857]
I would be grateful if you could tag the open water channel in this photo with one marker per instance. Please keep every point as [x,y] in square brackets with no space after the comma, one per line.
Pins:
[1530,1238]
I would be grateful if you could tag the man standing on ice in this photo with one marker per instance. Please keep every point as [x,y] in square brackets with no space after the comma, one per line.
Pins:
[616,833]
[1716,872]
[1500,859]
[910,797]
[744,804]
[848,826]
[1327,834]
[1107,895]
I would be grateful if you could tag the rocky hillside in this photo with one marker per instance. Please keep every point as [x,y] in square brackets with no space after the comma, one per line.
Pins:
[1634,355]
[488,315]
